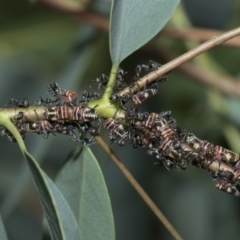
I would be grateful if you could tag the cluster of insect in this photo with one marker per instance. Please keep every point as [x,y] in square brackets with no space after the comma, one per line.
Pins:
[157,132]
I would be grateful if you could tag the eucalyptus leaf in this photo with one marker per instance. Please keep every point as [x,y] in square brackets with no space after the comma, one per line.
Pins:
[83,186]
[3,234]
[133,23]
[61,221]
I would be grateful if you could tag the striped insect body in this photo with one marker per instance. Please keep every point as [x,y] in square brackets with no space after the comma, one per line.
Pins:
[193,141]
[118,132]
[171,149]
[163,129]
[233,189]
[144,95]
[69,113]
[150,120]
[116,127]
[84,114]
[67,96]
[226,155]
[208,150]
[43,128]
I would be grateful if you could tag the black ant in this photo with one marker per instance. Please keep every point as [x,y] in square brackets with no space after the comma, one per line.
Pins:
[24,103]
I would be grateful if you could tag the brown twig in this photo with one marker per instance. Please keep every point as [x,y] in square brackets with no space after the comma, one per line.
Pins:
[198,34]
[138,188]
[152,76]
[71,7]
[221,82]
[75,10]
[97,21]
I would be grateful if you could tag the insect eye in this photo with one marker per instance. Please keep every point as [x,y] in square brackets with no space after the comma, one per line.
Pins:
[177,145]
[25,102]
[113,97]
[169,164]
[57,90]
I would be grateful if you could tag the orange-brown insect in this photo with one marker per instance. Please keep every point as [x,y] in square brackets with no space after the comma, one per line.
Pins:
[67,96]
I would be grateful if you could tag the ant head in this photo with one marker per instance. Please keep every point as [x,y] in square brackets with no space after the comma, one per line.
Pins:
[151,144]
[228,174]
[39,101]
[97,95]
[114,97]
[85,128]
[25,102]
[168,164]
[121,72]
[121,143]
[92,130]
[153,152]
[183,164]
[54,89]
[85,94]
[177,145]
[19,116]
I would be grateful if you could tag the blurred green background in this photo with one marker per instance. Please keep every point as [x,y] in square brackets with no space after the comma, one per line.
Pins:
[40,45]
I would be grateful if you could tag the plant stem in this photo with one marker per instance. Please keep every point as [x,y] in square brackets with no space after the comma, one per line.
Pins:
[152,76]
[138,188]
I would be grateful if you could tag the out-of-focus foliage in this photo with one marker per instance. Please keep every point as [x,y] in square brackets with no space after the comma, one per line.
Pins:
[3,234]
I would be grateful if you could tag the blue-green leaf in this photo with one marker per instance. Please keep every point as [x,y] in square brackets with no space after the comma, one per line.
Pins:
[3,234]
[61,221]
[83,186]
[134,23]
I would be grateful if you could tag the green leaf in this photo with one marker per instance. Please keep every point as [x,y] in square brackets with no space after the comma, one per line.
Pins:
[3,234]
[83,186]
[61,221]
[133,23]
